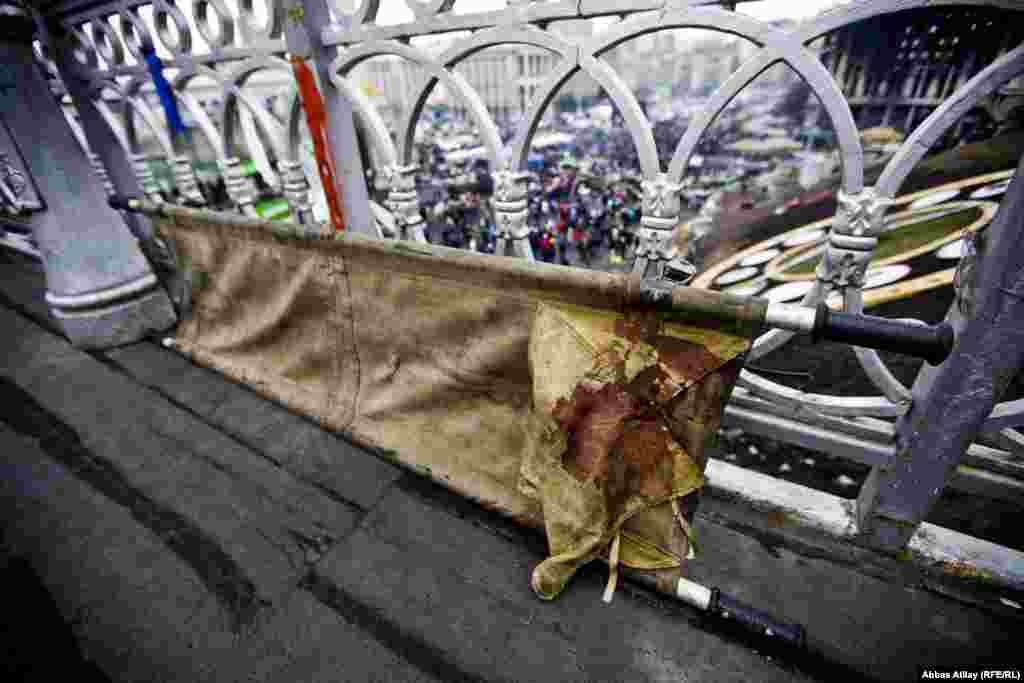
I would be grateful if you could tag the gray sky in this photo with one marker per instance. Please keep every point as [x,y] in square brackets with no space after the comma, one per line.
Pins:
[395,11]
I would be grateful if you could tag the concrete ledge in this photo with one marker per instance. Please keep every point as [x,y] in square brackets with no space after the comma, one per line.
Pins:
[297,444]
[142,614]
[827,521]
[20,244]
[138,610]
[429,584]
[118,324]
[104,297]
[984,470]
[464,609]
[242,522]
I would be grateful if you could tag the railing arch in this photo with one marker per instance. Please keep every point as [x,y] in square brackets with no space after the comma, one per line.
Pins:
[524,35]
[133,104]
[357,39]
[251,114]
[180,85]
[122,123]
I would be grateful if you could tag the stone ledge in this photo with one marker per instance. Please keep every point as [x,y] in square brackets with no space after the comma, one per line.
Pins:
[244,524]
[821,524]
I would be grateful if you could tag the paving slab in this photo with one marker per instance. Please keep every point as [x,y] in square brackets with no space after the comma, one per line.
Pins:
[883,628]
[138,609]
[302,639]
[142,614]
[251,507]
[456,599]
[311,454]
[245,523]
[36,643]
[23,283]
[292,441]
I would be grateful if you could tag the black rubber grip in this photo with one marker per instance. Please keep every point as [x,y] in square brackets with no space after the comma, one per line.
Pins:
[755,620]
[933,343]
[120,203]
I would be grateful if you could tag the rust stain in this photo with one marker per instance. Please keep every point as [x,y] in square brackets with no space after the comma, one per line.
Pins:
[569,412]
[646,452]
[776,519]
[645,386]
[594,421]
[665,389]
[685,361]
[599,430]
[965,570]
[610,361]
[638,326]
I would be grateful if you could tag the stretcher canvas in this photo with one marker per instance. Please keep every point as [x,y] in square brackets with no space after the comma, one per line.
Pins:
[554,405]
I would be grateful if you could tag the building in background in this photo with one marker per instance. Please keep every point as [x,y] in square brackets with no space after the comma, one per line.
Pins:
[896,69]
[690,63]
[893,69]
[509,78]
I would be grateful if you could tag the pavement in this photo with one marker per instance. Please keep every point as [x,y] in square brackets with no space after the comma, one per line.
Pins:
[185,529]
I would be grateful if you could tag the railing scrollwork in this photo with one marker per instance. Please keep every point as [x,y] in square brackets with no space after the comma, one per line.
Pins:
[240,187]
[403,202]
[853,238]
[239,47]
[510,212]
[659,219]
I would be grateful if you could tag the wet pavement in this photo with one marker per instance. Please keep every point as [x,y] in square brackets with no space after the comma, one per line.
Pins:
[162,523]
[186,529]
[36,643]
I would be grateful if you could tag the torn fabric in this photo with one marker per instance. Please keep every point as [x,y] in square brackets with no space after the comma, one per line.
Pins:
[615,400]
[575,419]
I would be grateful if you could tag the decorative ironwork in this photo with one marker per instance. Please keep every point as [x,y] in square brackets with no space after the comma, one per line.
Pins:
[17,192]
[144,174]
[661,204]
[101,172]
[296,188]
[14,182]
[853,238]
[109,38]
[241,189]
[404,202]
[510,211]
[185,180]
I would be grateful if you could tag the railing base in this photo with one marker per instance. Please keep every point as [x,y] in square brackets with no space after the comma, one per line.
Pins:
[817,524]
[123,322]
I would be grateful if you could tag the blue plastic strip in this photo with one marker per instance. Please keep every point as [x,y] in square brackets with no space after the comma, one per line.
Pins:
[166,95]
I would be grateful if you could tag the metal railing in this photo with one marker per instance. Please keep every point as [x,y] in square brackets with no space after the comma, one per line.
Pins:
[240,46]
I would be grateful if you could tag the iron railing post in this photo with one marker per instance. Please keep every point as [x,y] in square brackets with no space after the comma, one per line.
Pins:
[99,285]
[952,401]
[340,42]
[102,142]
[341,131]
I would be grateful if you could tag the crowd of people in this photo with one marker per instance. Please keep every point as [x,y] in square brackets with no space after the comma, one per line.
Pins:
[577,216]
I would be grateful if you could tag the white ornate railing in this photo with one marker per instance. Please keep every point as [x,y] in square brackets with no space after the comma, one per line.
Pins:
[110,42]
[240,46]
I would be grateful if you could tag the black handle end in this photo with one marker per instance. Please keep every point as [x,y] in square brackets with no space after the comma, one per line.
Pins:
[757,621]
[945,337]
[821,313]
[121,203]
[933,343]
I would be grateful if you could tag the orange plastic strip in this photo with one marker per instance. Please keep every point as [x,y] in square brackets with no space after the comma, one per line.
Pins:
[316,118]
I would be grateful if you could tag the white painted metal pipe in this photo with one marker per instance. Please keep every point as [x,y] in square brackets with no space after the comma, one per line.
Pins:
[792,317]
[693,594]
